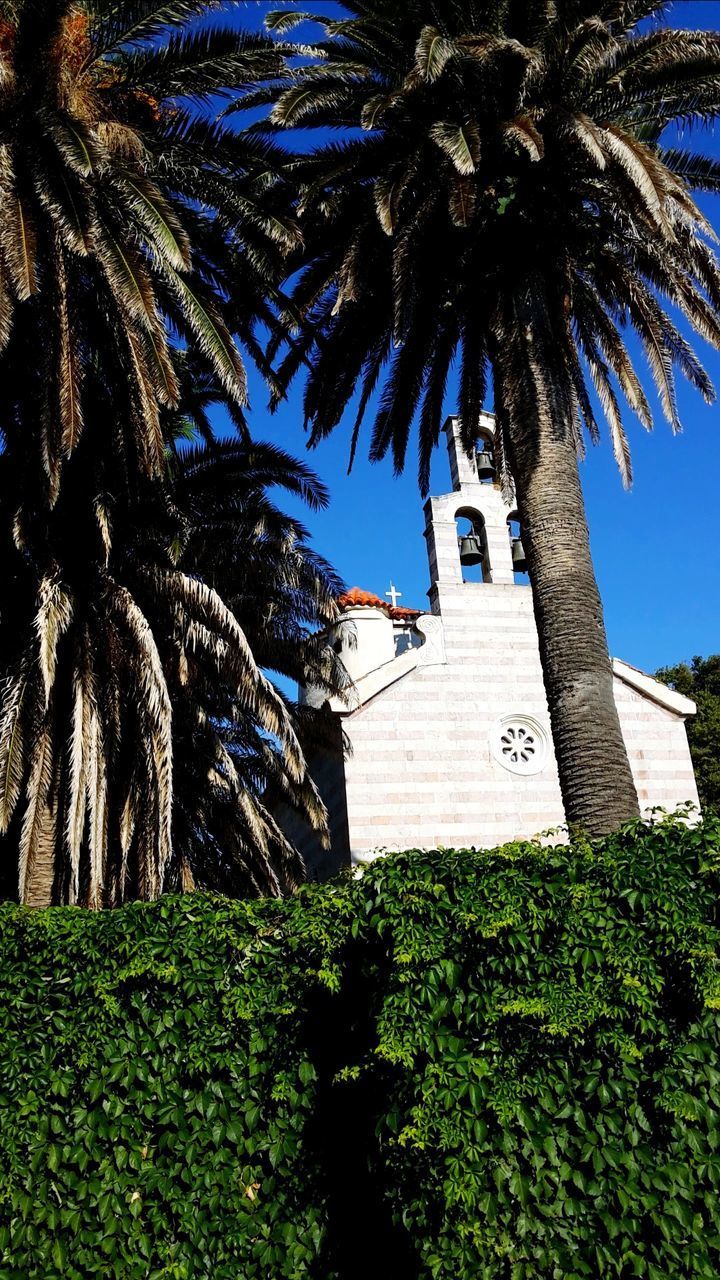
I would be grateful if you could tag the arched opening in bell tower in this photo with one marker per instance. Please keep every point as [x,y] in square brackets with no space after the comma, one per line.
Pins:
[472,545]
[519,561]
[485,458]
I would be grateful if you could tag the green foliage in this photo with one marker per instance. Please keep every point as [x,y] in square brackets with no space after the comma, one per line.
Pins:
[700,680]
[493,1064]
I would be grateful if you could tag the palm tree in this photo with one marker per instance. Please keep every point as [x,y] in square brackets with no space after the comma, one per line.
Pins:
[229,774]
[510,206]
[136,236]
[139,738]
[125,213]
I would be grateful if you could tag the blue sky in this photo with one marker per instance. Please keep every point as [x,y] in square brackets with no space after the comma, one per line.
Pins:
[655,548]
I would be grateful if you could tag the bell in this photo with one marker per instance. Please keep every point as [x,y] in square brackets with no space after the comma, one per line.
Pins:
[471,551]
[518,556]
[486,464]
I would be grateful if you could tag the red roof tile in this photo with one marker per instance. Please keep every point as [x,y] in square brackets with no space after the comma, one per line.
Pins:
[357,596]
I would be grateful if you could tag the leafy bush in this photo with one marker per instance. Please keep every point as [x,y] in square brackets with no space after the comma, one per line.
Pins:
[466,1064]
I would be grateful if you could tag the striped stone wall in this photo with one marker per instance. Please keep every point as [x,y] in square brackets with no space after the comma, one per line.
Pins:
[422,772]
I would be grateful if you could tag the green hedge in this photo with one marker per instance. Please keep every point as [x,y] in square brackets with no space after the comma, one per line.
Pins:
[466,1064]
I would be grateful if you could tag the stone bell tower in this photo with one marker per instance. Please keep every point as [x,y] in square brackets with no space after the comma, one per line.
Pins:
[476,498]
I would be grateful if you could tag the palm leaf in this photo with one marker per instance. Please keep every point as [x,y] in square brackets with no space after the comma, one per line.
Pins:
[699,172]
[295,103]
[128,22]
[157,706]
[68,209]
[388,194]
[12,760]
[432,53]
[68,370]
[75,144]
[373,110]
[522,132]
[76,787]
[37,834]
[19,248]
[198,63]
[96,782]
[280,21]
[53,617]
[587,135]
[7,309]
[148,426]
[309,102]
[606,395]
[462,202]
[461,142]
[213,340]
[127,276]
[159,220]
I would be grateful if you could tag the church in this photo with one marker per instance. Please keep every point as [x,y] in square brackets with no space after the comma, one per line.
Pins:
[446,740]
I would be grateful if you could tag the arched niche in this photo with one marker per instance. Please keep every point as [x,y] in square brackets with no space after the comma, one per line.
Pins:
[517,550]
[472,540]
[485,457]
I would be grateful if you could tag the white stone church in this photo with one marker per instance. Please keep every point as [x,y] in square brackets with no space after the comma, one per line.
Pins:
[446,740]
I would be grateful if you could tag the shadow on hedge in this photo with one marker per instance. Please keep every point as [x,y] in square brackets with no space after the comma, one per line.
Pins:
[467,1065]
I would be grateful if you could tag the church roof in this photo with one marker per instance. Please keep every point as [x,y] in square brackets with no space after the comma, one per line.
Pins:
[654,689]
[356,596]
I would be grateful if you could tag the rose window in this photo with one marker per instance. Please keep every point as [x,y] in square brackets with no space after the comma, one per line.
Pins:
[519,743]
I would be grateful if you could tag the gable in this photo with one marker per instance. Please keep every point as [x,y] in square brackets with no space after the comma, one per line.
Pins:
[653,690]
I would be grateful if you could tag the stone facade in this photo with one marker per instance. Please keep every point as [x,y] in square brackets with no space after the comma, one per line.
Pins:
[448,733]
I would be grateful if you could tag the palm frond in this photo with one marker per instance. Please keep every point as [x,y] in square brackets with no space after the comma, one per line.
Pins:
[160,221]
[461,142]
[209,61]
[213,339]
[68,370]
[130,22]
[18,245]
[280,21]
[12,745]
[37,833]
[54,615]
[432,53]
[700,172]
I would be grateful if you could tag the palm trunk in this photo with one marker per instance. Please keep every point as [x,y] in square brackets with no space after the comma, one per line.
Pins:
[40,887]
[595,777]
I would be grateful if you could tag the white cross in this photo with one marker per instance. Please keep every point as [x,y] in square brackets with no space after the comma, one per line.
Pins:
[394,594]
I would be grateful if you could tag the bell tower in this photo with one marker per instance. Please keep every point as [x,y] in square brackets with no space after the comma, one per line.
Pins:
[492,540]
